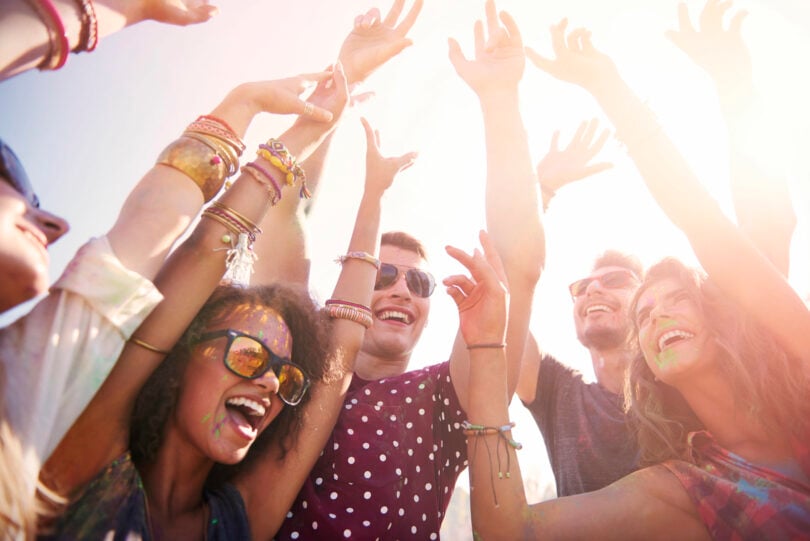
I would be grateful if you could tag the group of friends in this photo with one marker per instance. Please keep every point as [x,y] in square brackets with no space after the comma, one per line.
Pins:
[234,411]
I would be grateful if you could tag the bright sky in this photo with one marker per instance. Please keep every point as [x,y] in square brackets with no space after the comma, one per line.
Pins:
[86,134]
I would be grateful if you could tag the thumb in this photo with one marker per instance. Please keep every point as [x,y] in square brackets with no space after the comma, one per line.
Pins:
[540,61]
[406,160]
[457,57]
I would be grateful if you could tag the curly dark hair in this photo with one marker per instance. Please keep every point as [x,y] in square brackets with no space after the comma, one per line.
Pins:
[768,384]
[158,397]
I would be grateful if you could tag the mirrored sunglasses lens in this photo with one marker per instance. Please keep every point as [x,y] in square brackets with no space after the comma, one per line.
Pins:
[291,384]
[615,279]
[420,282]
[579,287]
[386,276]
[247,357]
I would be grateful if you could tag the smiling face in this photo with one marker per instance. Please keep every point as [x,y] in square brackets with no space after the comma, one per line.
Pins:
[601,310]
[399,315]
[25,233]
[218,412]
[672,331]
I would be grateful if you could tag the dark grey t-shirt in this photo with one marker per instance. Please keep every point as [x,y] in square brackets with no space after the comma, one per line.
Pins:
[584,427]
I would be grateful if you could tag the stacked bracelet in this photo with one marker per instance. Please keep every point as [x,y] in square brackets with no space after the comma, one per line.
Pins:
[340,309]
[277,154]
[361,256]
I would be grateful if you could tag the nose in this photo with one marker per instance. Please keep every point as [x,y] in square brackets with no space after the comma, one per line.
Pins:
[51,225]
[400,287]
[268,382]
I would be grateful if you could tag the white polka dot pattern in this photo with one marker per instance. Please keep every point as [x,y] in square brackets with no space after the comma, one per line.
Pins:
[390,467]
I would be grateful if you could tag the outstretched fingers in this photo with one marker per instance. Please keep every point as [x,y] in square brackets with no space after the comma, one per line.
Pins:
[410,18]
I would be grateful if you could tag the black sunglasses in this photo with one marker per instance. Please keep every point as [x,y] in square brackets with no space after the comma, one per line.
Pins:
[248,357]
[613,280]
[420,283]
[13,172]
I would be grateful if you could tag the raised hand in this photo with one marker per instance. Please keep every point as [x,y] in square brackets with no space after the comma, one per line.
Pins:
[576,59]
[380,171]
[718,50]
[482,298]
[499,58]
[331,94]
[177,12]
[561,167]
[281,96]
[374,41]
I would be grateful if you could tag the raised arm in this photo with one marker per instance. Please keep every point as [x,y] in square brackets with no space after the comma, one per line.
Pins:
[186,280]
[759,189]
[373,41]
[723,250]
[41,34]
[557,169]
[513,216]
[353,289]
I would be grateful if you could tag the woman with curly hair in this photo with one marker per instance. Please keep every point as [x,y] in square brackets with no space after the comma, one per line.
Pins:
[719,391]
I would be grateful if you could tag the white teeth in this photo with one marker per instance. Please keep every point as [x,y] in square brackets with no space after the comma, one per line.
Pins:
[597,308]
[667,336]
[253,407]
[394,314]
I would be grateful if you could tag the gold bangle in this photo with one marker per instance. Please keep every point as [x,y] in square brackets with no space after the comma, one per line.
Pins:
[197,161]
[146,345]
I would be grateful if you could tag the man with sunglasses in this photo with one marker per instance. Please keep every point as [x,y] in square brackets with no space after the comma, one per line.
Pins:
[583,424]
[398,447]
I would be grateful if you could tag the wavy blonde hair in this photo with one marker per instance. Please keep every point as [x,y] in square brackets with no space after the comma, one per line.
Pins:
[769,385]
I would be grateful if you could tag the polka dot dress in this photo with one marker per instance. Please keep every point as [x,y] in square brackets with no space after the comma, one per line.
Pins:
[389,469]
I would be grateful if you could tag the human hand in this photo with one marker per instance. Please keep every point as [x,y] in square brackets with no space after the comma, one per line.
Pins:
[380,171]
[177,12]
[374,41]
[331,94]
[576,59]
[718,50]
[482,298]
[499,59]
[561,167]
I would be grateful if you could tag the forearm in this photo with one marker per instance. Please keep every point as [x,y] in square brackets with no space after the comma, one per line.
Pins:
[497,500]
[355,284]
[758,180]
[513,216]
[25,35]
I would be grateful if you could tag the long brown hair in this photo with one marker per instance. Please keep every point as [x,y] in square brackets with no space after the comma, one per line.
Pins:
[158,397]
[768,385]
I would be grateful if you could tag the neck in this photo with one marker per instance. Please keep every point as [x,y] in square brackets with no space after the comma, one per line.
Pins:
[373,367]
[711,398]
[174,486]
[609,366]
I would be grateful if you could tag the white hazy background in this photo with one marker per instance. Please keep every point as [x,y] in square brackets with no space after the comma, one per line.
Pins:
[86,134]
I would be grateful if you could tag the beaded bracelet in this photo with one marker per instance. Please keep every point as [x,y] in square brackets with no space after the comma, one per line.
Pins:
[361,256]
[470,429]
[88,35]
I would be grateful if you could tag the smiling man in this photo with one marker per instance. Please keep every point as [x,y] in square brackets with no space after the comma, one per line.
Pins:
[583,424]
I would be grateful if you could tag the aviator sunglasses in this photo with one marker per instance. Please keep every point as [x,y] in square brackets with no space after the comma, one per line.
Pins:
[420,283]
[613,280]
[13,172]
[249,358]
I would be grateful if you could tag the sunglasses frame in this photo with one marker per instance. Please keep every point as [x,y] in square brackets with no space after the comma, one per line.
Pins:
[275,363]
[13,172]
[583,283]
[409,272]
